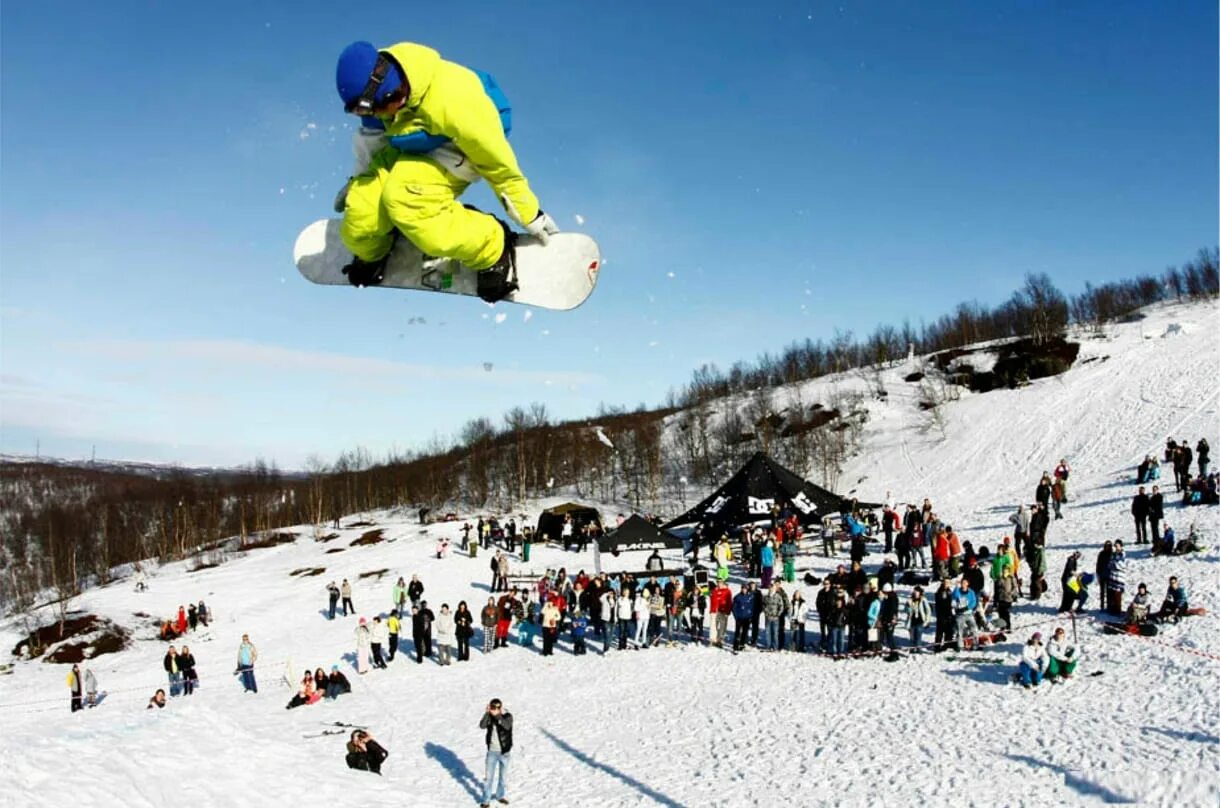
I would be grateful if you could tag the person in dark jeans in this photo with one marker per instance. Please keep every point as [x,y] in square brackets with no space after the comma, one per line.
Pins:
[1156,512]
[756,615]
[463,622]
[1139,510]
[743,613]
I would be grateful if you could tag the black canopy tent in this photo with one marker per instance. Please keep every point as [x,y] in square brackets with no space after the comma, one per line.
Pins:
[749,494]
[635,533]
[550,522]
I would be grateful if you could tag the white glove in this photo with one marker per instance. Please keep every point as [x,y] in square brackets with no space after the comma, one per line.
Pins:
[542,227]
[366,142]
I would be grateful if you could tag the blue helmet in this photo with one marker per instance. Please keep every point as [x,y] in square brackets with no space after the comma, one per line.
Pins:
[356,68]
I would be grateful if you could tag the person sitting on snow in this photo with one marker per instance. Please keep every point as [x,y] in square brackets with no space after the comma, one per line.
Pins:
[1140,607]
[1175,604]
[337,684]
[364,753]
[1063,656]
[1033,661]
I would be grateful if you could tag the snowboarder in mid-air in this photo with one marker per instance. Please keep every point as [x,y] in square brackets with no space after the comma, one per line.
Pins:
[429,128]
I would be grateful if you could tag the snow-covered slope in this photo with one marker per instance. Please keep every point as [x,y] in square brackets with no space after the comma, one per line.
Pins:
[692,725]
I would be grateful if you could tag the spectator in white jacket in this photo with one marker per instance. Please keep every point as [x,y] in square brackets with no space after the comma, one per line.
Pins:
[1063,656]
[444,635]
[379,635]
[1033,661]
[640,607]
[624,612]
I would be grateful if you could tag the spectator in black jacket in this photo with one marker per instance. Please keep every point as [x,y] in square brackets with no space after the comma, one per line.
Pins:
[364,753]
[824,603]
[756,596]
[499,739]
[945,622]
[421,631]
[1156,512]
[1139,510]
[1103,569]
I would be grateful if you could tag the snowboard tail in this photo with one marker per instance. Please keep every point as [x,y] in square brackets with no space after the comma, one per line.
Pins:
[559,275]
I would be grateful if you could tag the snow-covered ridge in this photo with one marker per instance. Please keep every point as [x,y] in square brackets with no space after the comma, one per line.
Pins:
[692,725]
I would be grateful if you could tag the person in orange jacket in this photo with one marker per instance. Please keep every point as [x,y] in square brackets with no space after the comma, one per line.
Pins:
[955,552]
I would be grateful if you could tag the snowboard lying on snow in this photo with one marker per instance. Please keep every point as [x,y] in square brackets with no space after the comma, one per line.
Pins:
[1140,629]
[560,275]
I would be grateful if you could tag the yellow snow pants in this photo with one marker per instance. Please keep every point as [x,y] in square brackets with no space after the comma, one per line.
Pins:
[414,194]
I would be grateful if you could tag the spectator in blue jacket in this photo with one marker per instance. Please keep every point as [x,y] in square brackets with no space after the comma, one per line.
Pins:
[580,625]
[766,558]
[964,604]
[874,625]
[743,611]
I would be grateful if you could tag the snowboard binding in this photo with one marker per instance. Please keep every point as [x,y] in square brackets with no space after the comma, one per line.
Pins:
[500,279]
[361,273]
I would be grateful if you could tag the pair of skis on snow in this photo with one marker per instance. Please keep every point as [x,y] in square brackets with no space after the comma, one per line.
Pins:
[341,728]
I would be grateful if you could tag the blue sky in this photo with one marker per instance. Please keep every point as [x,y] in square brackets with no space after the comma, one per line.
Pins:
[754,176]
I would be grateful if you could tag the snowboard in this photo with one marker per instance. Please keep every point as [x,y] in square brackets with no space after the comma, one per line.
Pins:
[1141,629]
[560,275]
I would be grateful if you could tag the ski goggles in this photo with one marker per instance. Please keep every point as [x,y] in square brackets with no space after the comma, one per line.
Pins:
[365,104]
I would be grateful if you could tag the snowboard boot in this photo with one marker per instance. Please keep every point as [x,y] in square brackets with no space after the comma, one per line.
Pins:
[500,279]
[361,273]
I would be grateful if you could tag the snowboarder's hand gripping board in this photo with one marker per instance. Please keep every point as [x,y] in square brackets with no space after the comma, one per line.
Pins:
[558,275]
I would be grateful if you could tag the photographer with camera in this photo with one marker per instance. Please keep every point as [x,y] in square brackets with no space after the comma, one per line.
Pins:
[499,739]
[364,753]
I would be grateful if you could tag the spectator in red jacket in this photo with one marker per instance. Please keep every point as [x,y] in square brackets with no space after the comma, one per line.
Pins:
[721,606]
[181,625]
[955,553]
[940,554]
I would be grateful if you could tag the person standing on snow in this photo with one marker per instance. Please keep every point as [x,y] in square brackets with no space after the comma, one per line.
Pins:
[421,631]
[743,614]
[1116,579]
[332,591]
[346,591]
[463,630]
[415,591]
[1156,513]
[247,655]
[499,739]
[90,688]
[1061,475]
[399,595]
[445,628]
[186,664]
[1139,511]
[364,641]
[75,686]
[394,625]
[964,604]
[429,129]
[378,637]
[918,615]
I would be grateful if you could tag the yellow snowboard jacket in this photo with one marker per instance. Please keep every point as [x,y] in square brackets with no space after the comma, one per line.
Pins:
[450,100]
